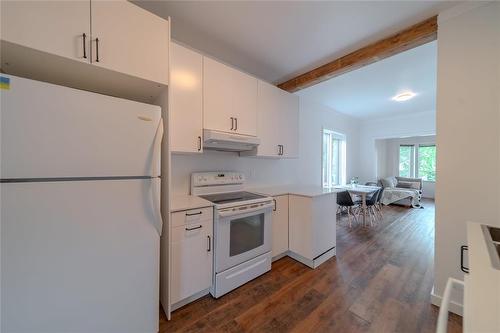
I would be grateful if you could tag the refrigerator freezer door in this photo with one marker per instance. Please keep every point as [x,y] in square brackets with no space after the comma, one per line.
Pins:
[79,257]
[49,131]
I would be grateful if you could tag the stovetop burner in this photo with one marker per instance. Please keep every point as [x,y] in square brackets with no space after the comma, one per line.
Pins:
[223,198]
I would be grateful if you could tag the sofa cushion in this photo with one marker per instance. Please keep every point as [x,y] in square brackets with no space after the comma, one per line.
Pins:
[412,185]
[389,182]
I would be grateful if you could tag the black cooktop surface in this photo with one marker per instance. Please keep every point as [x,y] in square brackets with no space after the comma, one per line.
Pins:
[222,198]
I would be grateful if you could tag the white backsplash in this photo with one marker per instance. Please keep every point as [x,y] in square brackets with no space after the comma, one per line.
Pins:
[258,171]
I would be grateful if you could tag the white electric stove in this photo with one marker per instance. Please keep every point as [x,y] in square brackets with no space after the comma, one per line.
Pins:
[242,228]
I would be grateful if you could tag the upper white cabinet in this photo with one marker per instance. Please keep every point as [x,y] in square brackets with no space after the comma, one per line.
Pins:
[58,27]
[229,99]
[66,42]
[186,105]
[277,122]
[129,39]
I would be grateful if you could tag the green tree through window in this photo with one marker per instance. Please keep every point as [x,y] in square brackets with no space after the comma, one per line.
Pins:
[427,162]
[405,161]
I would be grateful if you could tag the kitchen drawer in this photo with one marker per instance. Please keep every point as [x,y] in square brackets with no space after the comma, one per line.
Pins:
[190,230]
[192,216]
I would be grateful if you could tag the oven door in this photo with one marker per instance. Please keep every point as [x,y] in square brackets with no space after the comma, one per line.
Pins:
[242,234]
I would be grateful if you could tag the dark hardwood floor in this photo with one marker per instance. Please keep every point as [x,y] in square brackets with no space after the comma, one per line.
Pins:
[380,281]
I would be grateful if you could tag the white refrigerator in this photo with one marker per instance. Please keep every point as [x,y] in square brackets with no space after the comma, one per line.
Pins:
[80,217]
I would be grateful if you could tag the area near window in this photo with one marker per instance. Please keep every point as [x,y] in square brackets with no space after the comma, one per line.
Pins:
[418,161]
[333,158]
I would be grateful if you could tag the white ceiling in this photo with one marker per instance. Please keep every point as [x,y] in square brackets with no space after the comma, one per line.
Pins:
[276,40]
[367,92]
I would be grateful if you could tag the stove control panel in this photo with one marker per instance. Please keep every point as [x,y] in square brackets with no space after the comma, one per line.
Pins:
[216,178]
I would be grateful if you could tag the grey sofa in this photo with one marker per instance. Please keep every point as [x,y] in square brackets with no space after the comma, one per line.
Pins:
[408,191]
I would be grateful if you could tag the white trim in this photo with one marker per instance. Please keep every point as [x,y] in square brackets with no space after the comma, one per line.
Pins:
[314,263]
[342,156]
[459,10]
[454,307]
[190,299]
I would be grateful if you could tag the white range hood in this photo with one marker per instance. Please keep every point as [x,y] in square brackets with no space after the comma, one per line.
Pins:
[216,140]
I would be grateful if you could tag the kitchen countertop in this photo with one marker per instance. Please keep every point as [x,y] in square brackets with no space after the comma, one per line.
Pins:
[186,202]
[309,191]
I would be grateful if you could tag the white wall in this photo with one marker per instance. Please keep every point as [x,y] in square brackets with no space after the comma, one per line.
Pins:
[263,172]
[314,117]
[387,153]
[416,124]
[468,132]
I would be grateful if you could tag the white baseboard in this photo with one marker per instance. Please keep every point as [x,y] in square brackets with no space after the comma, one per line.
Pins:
[314,263]
[279,256]
[190,299]
[454,307]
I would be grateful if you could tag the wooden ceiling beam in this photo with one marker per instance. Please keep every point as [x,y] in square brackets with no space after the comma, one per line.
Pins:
[416,35]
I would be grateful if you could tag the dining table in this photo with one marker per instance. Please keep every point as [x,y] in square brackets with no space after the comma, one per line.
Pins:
[363,191]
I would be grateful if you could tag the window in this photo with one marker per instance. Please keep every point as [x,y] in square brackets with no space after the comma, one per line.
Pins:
[406,160]
[427,162]
[418,161]
[334,158]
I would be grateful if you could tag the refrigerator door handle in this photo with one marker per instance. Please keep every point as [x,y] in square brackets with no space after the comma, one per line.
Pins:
[155,160]
[156,197]
[155,183]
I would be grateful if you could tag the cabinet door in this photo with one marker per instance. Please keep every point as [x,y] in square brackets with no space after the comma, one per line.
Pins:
[217,96]
[280,225]
[268,121]
[289,124]
[55,27]
[191,260]
[131,40]
[186,105]
[244,94]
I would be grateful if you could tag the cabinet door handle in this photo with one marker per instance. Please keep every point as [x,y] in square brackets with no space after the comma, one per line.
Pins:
[282,150]
[209,244]
[199,143]
[193,214]
[194,228]
[236,122]
[232,123]
[97,50]
[462,266]
[275,205]
[84,37]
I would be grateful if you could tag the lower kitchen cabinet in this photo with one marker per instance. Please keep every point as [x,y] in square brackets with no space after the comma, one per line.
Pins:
[280,226]
[192,253]
[312,228]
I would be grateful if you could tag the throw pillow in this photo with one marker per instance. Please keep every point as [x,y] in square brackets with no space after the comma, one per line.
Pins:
[406,184]
[387,182]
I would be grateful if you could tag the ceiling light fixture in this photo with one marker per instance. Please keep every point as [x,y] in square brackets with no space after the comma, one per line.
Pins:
[404,96]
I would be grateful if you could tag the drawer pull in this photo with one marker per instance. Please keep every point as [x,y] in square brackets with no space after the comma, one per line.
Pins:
[97,50]
[84,36]
[194,228]
[193,214]
[462,266]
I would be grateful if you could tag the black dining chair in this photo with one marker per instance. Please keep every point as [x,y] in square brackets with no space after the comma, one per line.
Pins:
[378,204]
[371,204]
[344,200]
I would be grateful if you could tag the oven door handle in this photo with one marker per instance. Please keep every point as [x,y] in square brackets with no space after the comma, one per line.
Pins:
[245,209]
